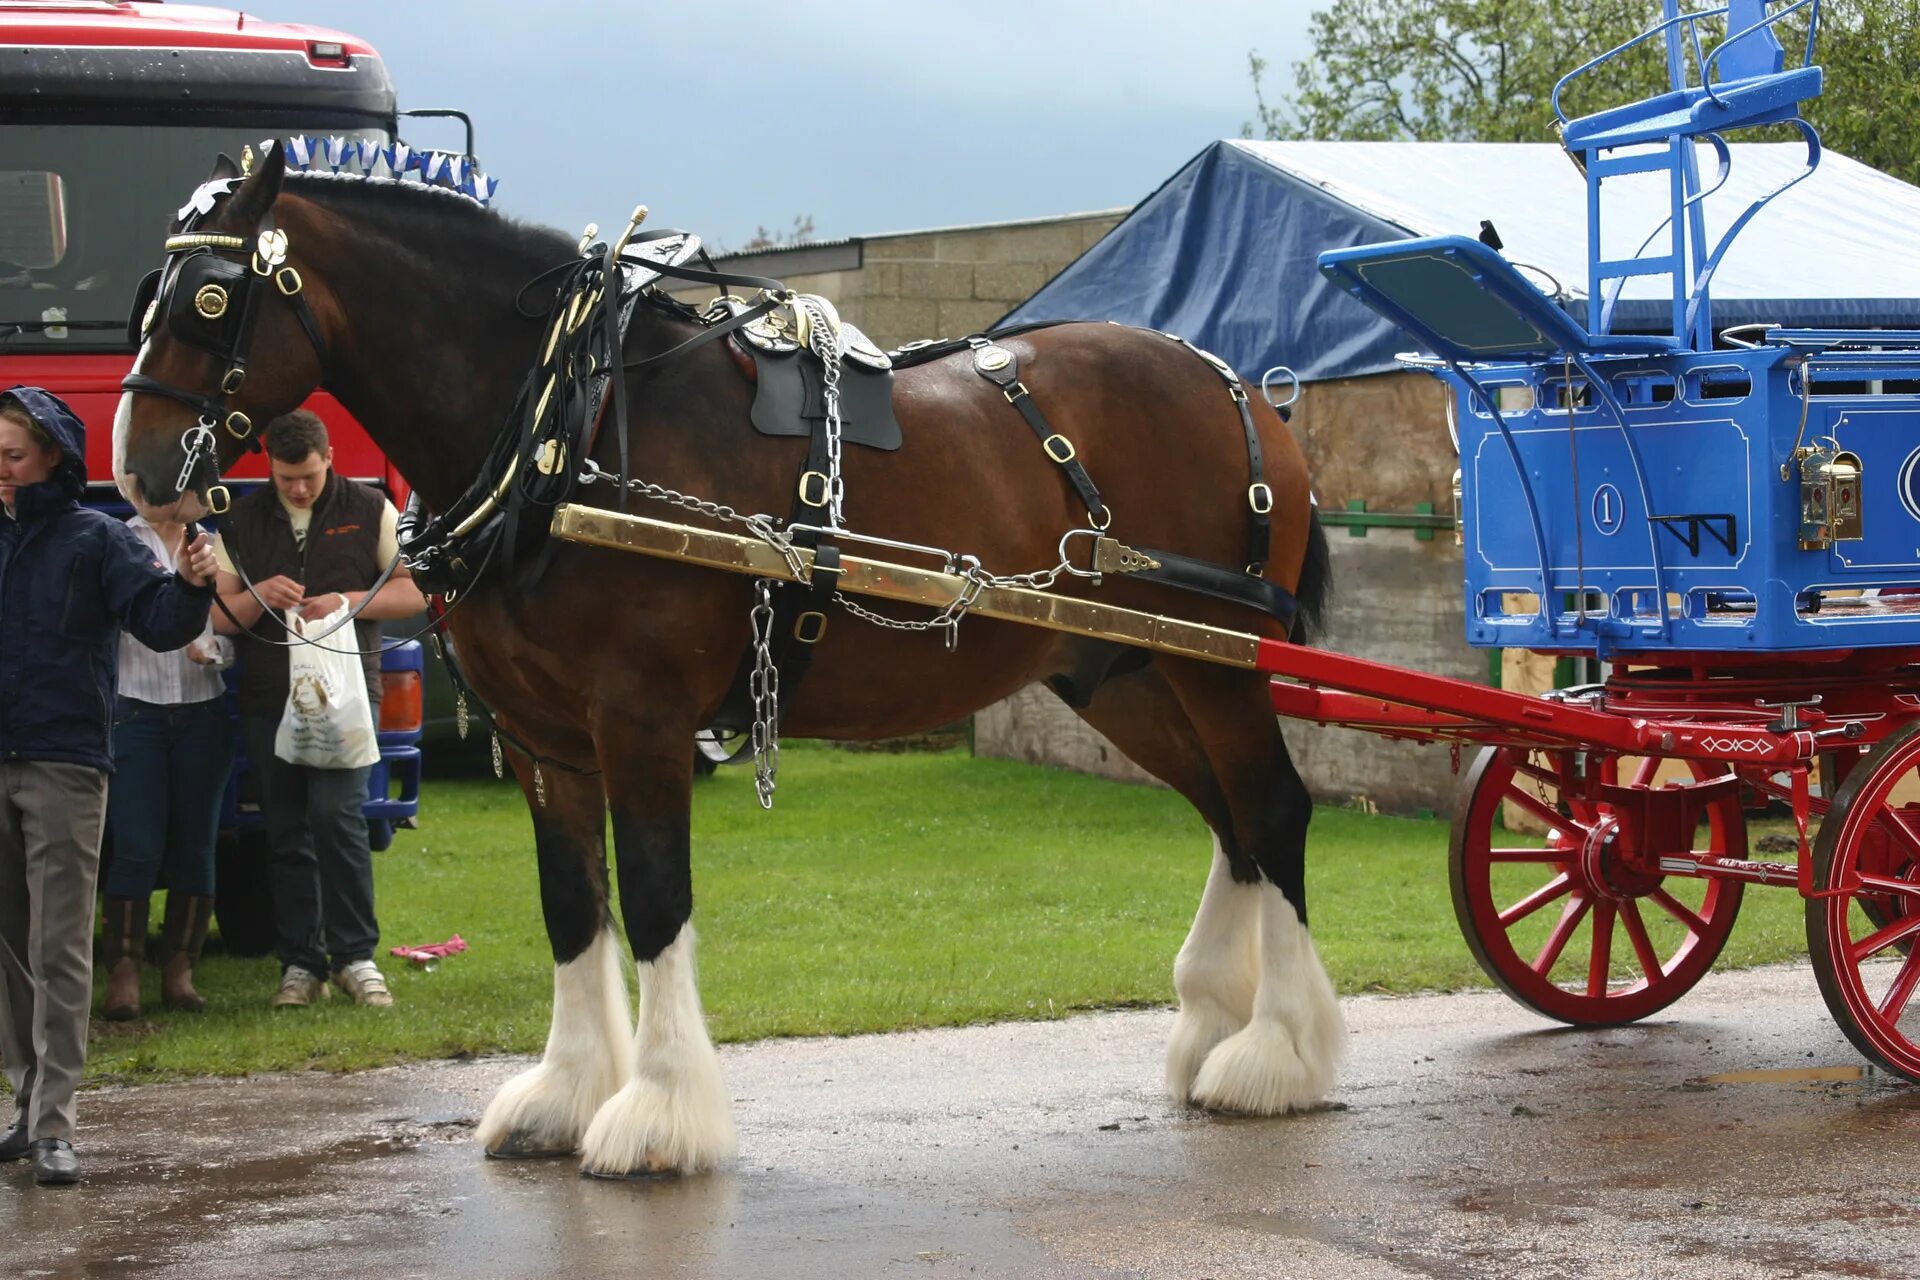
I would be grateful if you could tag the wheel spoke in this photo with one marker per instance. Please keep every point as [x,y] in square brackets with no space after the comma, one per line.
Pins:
[1642,944]
[1545,812]
[1901,991]
[1679,911]
[1890,887]
[1880,939]
[1570,917]
[1539,898]
[1600,959]
[1538,854]
[1896,824]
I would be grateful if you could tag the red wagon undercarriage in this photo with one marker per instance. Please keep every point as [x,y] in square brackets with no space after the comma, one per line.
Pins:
[1600,848]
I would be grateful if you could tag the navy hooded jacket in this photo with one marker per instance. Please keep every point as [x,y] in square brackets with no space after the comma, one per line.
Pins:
[70,580]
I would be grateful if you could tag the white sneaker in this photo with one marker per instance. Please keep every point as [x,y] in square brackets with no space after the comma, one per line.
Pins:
[298,989]
[361,980]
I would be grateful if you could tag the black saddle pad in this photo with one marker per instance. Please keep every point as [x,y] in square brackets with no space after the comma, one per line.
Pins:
[792,397]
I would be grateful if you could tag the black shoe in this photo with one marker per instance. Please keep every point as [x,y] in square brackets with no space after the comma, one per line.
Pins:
[14,1145]
[54,1164]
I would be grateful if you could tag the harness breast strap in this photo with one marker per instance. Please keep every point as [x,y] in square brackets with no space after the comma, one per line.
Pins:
[1259,493]
[1001,367]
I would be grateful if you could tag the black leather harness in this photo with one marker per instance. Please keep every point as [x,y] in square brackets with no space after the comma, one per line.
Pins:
[800,609]
[1000,366]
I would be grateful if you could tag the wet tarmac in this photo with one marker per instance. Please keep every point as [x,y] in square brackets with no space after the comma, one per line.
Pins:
[1736,1136]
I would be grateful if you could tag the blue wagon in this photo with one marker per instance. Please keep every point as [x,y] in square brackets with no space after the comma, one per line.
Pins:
[1730,519]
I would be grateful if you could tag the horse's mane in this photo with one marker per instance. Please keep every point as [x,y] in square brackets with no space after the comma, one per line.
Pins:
[444,230]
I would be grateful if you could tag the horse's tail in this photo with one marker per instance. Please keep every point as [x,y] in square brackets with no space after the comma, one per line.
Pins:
[1316,584]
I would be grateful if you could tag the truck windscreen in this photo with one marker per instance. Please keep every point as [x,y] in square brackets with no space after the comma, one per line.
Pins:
[83,211]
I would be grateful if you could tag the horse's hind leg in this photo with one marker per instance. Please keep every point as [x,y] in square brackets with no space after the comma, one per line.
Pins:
[671,1116]
[1218,969]
[545,1110]
[1284,1058]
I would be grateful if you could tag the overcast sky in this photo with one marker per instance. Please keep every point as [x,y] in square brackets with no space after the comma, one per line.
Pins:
[869,116]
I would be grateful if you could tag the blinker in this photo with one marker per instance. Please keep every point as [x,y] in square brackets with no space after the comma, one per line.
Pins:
[140,314]
[206,302]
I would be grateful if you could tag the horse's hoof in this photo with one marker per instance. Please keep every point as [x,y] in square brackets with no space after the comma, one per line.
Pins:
[631,1175]
[523,1146]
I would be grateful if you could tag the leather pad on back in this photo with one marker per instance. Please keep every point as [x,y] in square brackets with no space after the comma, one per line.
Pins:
[792,397]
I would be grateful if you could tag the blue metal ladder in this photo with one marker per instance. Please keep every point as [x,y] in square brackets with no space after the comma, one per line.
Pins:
[1657,135]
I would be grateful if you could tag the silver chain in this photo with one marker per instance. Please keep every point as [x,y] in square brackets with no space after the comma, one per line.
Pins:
[764,528]
[764,681]
[823,337]
[764,684]
[949,617]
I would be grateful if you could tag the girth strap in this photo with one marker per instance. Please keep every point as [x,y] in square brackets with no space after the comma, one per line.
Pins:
[1219,581]
[799,608]
[1001,367]
[1259,493]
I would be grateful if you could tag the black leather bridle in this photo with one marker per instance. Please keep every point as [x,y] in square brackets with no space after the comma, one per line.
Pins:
[209,294]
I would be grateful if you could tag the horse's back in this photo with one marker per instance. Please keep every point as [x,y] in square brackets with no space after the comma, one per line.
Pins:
[1155,426]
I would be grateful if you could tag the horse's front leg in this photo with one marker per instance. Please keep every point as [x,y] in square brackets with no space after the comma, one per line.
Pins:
[545,1110]
[672,1114]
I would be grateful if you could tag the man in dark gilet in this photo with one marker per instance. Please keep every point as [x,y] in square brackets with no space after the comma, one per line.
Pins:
[308,542]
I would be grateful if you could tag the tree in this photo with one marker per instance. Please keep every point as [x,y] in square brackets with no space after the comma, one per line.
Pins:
[1484,70]
[800,233]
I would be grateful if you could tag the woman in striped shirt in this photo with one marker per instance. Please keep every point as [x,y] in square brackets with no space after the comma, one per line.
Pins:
[172,751]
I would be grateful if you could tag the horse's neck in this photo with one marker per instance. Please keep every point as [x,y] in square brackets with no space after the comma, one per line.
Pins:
[428,363]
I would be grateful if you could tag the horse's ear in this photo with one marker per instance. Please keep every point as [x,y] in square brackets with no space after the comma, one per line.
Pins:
[261,187]
[223,169]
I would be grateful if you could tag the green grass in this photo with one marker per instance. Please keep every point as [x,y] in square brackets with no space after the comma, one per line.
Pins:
[883,892]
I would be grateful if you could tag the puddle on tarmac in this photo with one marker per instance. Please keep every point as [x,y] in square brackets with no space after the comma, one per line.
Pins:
[1794,1076]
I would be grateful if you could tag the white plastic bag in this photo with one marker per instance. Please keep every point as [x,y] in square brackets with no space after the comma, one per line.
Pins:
[328,723]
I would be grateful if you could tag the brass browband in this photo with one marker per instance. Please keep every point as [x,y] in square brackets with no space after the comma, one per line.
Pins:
[202,240]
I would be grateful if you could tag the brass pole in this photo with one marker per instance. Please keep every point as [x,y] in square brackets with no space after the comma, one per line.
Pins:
[738,553]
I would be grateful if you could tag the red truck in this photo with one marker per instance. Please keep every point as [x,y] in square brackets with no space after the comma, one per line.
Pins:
[110,115]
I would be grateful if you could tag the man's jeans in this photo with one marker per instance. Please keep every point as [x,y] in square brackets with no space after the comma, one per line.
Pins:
[318,863]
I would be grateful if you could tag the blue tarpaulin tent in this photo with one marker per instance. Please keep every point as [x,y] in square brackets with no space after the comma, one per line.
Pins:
[1223,253]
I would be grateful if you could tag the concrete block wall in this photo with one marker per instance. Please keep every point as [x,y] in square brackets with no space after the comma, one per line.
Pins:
[929,284]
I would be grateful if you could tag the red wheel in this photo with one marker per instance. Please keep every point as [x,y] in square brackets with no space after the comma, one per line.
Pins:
[1877,853]
[1566,925]
[1861,938]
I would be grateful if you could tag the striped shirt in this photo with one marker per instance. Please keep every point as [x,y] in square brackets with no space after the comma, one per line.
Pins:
[169,678]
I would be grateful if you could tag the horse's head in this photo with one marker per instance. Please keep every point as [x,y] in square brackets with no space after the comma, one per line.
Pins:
[228,341]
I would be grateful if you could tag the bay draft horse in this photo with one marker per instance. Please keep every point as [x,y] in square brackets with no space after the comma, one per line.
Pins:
[613,661]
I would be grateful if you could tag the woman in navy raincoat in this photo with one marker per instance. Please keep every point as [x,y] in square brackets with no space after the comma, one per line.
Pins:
[70,580]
